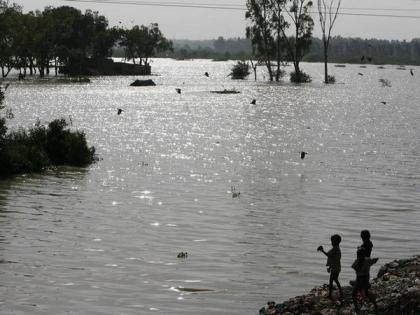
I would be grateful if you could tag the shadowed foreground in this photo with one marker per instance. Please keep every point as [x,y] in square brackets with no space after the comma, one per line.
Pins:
[396,287]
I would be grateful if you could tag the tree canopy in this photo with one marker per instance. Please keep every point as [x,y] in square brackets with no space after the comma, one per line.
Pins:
[268,25]
[64,37]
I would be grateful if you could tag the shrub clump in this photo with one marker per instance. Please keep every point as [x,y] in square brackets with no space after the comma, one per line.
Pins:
[330,79]
[240,71]
[33,150]
[300,77]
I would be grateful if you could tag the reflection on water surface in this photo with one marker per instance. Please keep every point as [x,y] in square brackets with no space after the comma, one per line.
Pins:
[104,240]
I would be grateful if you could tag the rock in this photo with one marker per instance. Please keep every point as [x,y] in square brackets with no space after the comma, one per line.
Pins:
[397,291]
[143,83]
[393,265]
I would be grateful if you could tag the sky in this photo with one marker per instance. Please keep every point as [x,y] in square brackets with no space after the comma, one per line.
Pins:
[198,23]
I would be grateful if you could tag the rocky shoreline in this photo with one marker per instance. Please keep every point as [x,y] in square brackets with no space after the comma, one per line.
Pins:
[396,287]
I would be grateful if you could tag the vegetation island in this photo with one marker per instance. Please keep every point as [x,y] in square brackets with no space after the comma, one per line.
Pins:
[40,147]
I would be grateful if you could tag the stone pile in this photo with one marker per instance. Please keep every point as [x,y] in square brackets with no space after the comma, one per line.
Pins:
[396,287]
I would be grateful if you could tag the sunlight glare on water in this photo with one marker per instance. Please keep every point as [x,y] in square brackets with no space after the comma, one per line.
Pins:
[104,240]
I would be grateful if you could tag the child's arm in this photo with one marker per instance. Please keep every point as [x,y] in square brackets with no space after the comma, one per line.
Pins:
[354,264]
[321,249]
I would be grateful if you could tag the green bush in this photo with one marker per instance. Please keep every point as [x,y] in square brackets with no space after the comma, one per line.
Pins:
[330,79]
[240,71]
[40,147]
[300,77]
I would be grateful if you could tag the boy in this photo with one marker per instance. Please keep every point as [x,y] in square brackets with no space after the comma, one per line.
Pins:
[333,263]
[362,267]
[367,244]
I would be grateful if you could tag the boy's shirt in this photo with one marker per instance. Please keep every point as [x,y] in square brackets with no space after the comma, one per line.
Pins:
[365,270]
[367,246]
[334,259]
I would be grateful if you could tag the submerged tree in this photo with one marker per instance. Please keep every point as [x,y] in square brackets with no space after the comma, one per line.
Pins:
[69,39]
[278,25]
[259,31]
[299,44]
[9,14]
[142,42]
[327,17]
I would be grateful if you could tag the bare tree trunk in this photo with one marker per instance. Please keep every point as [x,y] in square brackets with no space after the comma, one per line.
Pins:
[31,66]
[325,60]
[254,68]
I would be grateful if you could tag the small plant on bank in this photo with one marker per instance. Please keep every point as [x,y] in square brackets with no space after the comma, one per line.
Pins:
[300,77]
[240,71]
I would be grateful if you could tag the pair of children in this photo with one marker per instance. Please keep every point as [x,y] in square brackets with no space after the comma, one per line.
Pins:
[361,266]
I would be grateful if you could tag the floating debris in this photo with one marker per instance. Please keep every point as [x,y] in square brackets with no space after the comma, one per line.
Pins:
[182,255]
[193,290]
[235,194]
[225,91]
[143,83]
[385,82]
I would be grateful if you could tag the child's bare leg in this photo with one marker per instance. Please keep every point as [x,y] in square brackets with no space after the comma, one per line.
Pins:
[354,297]
[372,299]
[331,285]
[339,287]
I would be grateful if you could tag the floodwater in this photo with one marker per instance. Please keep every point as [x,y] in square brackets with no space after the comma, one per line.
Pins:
[105,239]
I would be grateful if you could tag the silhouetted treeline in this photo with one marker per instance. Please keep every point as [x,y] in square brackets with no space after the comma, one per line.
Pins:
[351,50]
[221,48]
[66,37]
[342,50]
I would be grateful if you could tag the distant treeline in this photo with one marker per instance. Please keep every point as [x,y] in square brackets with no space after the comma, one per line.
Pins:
[342,50]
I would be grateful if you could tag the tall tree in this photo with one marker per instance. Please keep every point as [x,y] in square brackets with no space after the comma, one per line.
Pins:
[278,24]
[328,12]
[142,42]
[9,14]
[259,30]
[303,24]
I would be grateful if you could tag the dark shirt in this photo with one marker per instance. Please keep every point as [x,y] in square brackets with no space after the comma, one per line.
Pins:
[367,246]
[365,268]
[334,257]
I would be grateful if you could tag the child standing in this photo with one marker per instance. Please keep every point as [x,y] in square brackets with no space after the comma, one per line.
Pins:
[367,244]
[362,267]
[333,263]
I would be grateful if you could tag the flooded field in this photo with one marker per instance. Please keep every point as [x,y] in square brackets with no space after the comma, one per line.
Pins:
[105,240]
